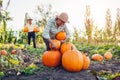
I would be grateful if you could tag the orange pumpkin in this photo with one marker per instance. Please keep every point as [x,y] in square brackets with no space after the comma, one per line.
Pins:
[72,60]
[13,51]
[36,29]
[61,35]
[25,29]
[86,61]
[51,58]
[57,42]
[3,52]
[97,57]
[108,55]
[66,46]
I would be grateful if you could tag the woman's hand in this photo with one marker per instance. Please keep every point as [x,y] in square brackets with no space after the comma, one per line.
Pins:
[53,46]
[62,41]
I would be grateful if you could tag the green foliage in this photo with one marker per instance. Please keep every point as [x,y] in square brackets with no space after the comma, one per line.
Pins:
[36,50]
[2,74]
[107,76]
[86,48]
[115,50]
[45,12]
[29,71]
[22,38]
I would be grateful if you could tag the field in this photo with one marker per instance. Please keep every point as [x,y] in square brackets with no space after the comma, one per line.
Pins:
[94,45]
[98,70]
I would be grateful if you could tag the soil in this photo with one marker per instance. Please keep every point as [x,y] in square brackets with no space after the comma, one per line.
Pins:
[58,73]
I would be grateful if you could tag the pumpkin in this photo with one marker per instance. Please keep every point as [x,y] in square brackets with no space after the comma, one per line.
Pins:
[61,35]
[97,57]
[3,52]
[66,46]
[72,60]
[25,29]
[51,58]
[36,29]
[86,61]
[57,42]
[108,55]
[13,51]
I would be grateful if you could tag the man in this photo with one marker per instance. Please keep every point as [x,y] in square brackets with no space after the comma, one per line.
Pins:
[31,33]
[54,26]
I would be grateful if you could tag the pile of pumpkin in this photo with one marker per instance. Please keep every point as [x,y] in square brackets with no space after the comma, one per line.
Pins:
[66,55]
[25,29]
[98,57]
[4,52]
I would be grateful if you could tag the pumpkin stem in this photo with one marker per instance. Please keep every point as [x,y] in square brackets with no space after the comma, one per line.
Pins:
[86,52]
[68,40]
[72,47]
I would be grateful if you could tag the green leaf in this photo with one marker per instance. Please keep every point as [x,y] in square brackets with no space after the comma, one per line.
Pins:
[101,78]
[2,74]
[29,71]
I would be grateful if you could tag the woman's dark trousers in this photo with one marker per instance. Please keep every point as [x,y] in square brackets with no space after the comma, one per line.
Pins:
[32,35]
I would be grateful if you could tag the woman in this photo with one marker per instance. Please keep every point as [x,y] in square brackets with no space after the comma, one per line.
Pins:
[31,33]
[54,26]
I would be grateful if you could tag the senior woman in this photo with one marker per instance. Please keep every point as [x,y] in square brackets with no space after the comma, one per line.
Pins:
[54,26]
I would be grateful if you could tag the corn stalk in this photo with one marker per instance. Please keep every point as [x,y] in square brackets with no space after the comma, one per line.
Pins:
[116,32]
[88,24]
[108,25]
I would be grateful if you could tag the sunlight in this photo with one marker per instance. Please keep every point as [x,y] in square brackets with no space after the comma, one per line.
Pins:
[75,9]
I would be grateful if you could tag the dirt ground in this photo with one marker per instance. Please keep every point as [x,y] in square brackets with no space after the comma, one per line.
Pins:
[59,73]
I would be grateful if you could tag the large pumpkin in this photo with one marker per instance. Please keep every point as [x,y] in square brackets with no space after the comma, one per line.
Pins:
[72,61]
[51,58]
[3,52]
[108,55]
[86,61]
[36,29]
[97,57]
[25,29]
[57,42]
[66,46]
[61,35]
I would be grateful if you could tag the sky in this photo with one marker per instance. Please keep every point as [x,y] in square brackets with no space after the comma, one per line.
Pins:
[74,8]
